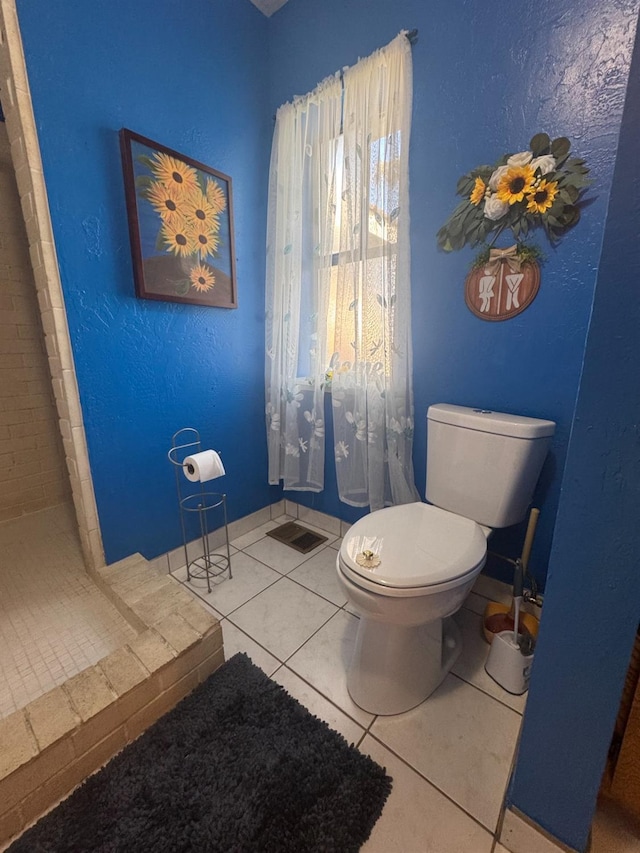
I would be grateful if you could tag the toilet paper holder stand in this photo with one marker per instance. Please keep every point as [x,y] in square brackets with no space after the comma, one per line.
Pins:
[203,557]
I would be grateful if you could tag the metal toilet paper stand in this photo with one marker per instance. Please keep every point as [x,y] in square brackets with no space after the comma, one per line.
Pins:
[206,505]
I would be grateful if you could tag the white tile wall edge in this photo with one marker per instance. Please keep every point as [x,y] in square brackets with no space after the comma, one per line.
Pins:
[25,154]
[520,835]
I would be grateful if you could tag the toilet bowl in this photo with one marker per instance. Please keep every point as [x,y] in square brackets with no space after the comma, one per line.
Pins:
[406,569]
[425,561]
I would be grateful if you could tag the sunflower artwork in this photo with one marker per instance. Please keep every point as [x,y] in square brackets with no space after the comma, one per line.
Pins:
[539,188]
[180,224]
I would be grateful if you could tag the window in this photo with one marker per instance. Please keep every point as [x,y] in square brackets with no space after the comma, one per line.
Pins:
[338,284]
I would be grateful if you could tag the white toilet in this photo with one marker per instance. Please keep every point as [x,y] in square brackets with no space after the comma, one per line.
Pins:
[406,568]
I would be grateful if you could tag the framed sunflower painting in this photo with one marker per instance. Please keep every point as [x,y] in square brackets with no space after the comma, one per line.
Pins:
[180,223]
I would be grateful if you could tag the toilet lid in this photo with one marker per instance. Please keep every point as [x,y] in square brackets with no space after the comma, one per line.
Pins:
[417,545]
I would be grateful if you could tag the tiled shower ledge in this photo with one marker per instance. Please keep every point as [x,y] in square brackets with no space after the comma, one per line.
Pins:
[51,745]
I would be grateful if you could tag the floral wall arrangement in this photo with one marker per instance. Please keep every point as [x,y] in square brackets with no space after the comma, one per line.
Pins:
[539,188]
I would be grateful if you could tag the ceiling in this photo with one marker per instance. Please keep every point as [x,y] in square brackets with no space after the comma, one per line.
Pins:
[268,7]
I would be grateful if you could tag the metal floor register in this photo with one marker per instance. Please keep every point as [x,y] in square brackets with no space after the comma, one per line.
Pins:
[296,536]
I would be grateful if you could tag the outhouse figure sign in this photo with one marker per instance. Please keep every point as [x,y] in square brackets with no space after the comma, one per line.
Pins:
[537,188]
[503,287]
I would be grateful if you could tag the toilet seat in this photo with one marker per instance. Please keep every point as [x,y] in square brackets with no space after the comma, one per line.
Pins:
[422,549]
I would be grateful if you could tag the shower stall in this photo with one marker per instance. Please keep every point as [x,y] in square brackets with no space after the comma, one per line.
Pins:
[54,622]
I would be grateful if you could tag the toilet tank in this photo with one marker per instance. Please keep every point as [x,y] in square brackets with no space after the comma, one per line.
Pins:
[484,465]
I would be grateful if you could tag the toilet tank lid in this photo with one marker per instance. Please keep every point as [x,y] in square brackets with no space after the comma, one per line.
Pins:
[485,420]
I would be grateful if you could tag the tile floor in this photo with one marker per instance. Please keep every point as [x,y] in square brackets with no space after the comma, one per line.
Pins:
[54,622]
[450,757]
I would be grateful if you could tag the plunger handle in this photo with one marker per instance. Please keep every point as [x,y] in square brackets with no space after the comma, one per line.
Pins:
[528,539]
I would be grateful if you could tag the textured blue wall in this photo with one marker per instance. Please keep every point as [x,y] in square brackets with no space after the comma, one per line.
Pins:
[196,83]
[592,605]
[485,80]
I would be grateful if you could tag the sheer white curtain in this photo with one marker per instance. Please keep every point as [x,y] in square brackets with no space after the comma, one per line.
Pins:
[338,284]
[301,195]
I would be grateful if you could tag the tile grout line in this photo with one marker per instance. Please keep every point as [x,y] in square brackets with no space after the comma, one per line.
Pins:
[486,693]
[433,785]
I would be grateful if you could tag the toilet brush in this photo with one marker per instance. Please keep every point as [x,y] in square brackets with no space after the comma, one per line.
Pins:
[511,653]
[500,617]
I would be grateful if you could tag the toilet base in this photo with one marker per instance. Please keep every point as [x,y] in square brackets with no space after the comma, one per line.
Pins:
[395,667]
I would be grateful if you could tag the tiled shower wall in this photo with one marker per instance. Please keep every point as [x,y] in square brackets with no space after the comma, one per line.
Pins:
[25,154]
[33,474]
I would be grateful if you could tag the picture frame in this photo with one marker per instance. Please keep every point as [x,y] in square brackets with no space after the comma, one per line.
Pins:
[180,215]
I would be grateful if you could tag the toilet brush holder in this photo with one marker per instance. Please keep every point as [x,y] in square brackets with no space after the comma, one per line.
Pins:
[509,662]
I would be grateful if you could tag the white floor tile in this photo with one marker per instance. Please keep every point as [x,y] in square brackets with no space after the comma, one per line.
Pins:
[236,640]
[461,740]
[227,594]
[519,836]
[279,556]
[283,617]
[274,554]
[318,705]
[253,535]
[470,664]
[417,818]
[319,575]
[249,522]
[323,662]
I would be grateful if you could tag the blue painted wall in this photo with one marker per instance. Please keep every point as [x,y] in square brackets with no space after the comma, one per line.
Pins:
[593,598]
[194,80]
[485,80]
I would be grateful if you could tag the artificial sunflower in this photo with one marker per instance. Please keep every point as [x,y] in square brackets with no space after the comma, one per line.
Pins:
[541,197]
[202,278]
[166,202]
[174,173]
[178,239]
[205,240]
[516,182]
[539,187]
[478,191]
[215,196]
[199,211]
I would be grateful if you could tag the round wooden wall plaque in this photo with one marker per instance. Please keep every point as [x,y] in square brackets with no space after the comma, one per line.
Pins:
[501,289]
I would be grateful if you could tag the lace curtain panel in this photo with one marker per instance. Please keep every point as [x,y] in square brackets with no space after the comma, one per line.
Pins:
[338,309]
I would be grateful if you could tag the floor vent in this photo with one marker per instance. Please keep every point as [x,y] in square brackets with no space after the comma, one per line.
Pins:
[296,536]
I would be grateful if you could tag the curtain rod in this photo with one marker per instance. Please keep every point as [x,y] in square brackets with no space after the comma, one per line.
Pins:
[412,38]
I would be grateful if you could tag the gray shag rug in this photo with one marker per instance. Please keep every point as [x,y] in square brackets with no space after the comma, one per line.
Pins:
[239,766]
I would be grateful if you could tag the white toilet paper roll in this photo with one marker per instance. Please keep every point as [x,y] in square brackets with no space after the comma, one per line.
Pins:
[203,466]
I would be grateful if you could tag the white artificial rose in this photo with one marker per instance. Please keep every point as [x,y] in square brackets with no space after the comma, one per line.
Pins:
[520,159]
[494,208]
[493,180]
[544,164]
